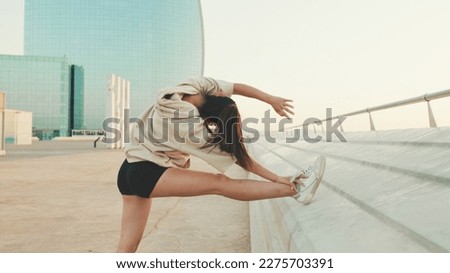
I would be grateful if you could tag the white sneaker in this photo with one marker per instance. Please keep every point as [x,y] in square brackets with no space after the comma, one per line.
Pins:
[301,175]
[314,174]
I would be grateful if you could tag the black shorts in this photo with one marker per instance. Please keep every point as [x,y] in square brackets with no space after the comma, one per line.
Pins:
[139,178]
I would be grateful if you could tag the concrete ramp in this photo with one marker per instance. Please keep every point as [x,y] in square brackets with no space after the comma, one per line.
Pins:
[386,191]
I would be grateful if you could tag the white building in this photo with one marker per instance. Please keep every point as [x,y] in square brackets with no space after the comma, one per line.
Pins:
[2,123]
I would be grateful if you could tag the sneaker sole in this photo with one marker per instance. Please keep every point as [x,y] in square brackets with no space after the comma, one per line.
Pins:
[321,163]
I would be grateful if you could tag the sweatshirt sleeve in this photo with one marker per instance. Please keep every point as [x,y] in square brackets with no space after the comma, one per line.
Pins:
[194,144]
[208,86]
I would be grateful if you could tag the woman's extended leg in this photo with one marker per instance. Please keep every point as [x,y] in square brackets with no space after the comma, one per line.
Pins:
[181,182]
[134,218]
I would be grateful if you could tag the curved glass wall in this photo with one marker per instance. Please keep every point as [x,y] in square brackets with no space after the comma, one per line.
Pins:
[152,43]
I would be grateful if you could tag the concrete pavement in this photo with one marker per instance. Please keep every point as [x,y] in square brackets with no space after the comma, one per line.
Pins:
[62,197]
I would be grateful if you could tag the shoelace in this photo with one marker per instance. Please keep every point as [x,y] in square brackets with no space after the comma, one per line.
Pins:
[308,171]
[311,171]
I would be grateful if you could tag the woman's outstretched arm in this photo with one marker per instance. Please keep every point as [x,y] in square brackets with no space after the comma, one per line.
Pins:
[281,105]
[263,172]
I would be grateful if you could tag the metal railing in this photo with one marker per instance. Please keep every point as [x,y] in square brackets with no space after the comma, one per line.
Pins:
[427,97]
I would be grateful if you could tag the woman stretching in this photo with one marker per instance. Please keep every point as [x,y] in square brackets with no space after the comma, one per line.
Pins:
[196,118]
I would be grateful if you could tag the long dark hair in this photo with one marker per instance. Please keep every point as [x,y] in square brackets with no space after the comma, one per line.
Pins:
[222,114]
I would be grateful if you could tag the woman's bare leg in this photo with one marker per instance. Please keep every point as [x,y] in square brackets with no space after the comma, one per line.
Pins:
[134,218]
[179,182]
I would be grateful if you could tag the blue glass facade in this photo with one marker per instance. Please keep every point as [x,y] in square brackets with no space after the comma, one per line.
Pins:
[39,85]
[76,103]
[152,43]
[43,86]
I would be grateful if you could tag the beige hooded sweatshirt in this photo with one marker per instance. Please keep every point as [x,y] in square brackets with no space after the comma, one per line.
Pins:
[171,130]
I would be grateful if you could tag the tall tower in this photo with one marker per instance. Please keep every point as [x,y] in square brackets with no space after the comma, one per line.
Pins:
[152,43]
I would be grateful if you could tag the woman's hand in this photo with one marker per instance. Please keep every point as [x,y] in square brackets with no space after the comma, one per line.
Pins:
[281,106]
[287,180]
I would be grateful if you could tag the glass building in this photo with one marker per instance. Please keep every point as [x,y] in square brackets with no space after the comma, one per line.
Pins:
[76,97]
[44,86]
[151,43]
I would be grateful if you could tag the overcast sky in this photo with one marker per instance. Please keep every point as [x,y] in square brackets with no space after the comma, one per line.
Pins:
[346,55]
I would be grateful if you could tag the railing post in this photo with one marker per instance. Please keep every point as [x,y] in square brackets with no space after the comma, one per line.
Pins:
[431,119]
[372,125]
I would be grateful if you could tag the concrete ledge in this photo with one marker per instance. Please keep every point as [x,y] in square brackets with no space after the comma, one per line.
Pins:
[76,138]
[389,195]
